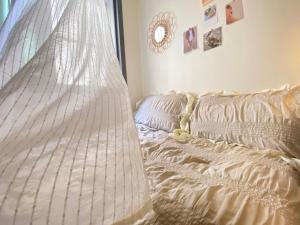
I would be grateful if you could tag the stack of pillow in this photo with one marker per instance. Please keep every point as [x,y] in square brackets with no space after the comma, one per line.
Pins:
[265,120]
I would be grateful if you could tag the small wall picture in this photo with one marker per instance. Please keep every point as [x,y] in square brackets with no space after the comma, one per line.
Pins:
[211,16]
[234,11]
[212,39]
[190,41]
[206,2]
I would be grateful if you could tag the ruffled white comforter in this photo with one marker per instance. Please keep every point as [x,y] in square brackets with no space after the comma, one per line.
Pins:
[202,182]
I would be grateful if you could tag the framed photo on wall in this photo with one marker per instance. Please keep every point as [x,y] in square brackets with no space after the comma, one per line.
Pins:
[234,11]
[206,2]
[211,15]
[190,39]
[212,39]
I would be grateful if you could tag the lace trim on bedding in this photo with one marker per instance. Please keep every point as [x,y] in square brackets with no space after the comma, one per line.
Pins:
[288,133]
[268,158]
[207,151]
[264,197]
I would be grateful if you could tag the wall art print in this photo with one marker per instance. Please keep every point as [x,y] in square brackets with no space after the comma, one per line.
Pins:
[234,11]
[211,15]
[190,39]
[212,39]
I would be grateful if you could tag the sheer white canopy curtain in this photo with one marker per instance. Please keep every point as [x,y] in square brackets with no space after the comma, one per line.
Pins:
[69,152]
[4,9]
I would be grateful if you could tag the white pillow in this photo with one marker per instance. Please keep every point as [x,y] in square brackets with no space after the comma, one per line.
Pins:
[264,120]
[161,112]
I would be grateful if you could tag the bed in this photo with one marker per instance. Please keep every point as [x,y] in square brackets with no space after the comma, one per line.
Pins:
[204,181]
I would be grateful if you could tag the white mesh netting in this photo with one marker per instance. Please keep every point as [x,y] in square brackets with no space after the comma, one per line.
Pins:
[69,153]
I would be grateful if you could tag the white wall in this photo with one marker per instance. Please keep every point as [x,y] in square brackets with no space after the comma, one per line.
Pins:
[261,51]
[131,20]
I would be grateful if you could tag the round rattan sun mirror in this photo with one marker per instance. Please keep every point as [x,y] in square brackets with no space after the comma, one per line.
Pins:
[161,32]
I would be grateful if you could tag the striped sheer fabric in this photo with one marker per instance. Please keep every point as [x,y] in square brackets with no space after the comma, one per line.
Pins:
[69,152]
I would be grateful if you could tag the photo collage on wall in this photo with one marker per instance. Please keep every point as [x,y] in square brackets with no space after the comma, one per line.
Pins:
[213,36]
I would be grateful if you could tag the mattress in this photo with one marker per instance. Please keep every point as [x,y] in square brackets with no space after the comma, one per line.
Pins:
[199,181]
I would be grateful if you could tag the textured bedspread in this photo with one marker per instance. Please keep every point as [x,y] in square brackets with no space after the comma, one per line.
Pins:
[201,182]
